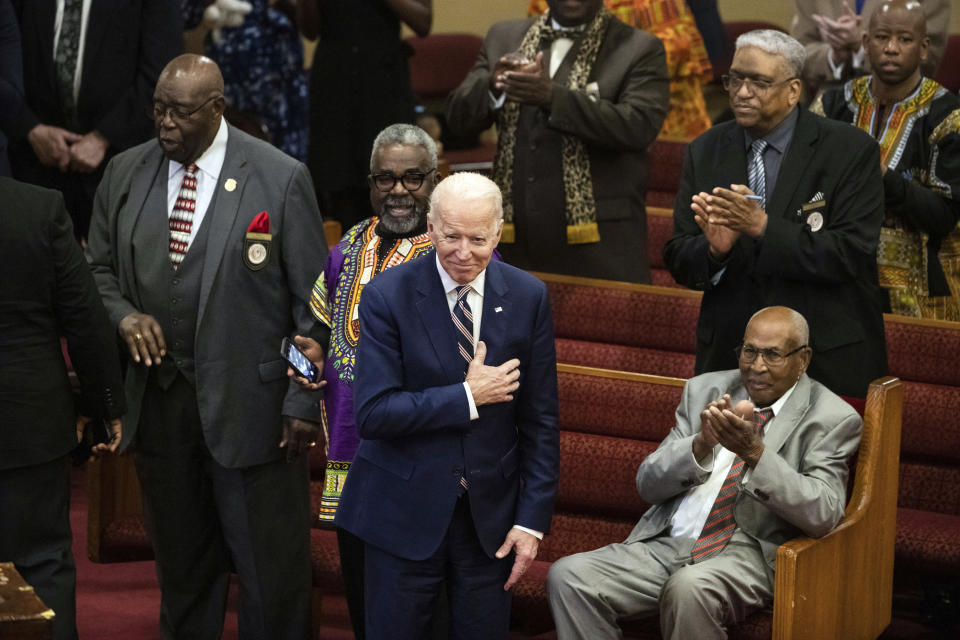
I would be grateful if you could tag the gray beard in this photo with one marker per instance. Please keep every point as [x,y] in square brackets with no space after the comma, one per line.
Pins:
[400,226]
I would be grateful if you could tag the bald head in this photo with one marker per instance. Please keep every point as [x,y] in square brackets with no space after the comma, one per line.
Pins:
[196,69]
[188,106]
[774,354]
[896,44]
[911,9]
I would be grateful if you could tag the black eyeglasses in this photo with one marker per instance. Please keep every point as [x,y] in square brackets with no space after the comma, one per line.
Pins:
[411,181]
[732,83]
[748,354]
[159,110]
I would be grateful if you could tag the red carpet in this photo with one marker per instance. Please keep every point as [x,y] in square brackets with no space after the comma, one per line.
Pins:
[121,601]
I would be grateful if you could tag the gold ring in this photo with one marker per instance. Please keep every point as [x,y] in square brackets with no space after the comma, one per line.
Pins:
[313,444]
[138,337]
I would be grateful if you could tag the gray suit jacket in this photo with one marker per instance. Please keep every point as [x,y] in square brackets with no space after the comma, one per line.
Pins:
[242,388]
[797,488]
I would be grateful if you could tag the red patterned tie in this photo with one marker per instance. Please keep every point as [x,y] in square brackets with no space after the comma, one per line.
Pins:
[719,527]
[181,219]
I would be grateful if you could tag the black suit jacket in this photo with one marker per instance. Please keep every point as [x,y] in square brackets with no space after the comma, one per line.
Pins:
[828,273]
[47,291]
[128,42]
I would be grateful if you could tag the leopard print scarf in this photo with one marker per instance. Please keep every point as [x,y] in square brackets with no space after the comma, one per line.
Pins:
[581,208]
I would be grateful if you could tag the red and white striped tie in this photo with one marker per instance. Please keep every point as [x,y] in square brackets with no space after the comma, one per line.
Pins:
[720,524]
[181,218]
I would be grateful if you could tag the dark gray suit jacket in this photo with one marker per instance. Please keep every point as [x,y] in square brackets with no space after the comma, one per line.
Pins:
[242,388]
[616,123]
[798,487]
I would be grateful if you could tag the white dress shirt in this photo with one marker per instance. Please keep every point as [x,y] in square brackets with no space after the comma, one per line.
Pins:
[690,516]
[57,23]
[208,173]
[475,300]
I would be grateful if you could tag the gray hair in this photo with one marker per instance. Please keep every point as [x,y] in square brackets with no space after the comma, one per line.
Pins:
[462,186]
[405,134]
[776,43]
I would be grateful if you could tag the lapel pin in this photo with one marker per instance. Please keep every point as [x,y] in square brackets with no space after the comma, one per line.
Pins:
[498,309]
[230,184]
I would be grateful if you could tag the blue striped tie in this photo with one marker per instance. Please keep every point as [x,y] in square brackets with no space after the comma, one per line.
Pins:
[463,321]
[756,174]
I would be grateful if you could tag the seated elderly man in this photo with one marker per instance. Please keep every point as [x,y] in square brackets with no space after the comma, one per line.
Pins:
[917,125]
[757,456]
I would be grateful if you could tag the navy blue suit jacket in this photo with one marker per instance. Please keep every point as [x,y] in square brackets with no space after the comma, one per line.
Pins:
[413,415]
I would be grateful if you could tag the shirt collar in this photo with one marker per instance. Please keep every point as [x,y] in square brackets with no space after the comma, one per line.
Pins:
[449,284]
[782,400]
[556,26]
[211,160]
[781,135]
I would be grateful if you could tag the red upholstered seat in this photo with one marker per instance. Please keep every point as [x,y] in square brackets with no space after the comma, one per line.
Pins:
[665,169]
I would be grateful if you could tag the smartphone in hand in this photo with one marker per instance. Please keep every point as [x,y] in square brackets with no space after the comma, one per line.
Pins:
[300,363]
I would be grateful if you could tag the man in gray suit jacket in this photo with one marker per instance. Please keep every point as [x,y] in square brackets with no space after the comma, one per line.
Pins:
[765,462]
[204,248]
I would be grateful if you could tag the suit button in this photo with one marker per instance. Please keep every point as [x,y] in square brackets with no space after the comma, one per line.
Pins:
[176,281]
[457,471]
[533,147]
[529,178]
[174,301]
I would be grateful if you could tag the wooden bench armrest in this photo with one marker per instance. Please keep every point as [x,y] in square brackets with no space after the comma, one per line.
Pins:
[841,585]
[113,492]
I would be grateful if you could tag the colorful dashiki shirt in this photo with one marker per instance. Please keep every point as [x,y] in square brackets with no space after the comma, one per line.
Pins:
[919,252]
[335,301]
[687,63]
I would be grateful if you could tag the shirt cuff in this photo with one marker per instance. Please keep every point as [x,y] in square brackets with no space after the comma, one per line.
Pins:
[474,414]
[835,71]
[536,534]
[858,57]
[496,103]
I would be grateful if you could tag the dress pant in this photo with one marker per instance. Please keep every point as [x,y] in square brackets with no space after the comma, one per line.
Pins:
[351,563]
[35,535]
[205,520]
[401,595]
[591,592]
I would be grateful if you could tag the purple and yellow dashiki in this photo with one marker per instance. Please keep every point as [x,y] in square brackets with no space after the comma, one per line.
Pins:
[353,262]
[918,256]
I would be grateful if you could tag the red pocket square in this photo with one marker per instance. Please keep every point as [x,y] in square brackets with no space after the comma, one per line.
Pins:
[260,224]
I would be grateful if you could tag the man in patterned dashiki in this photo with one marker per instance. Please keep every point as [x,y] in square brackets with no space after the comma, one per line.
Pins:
[403,172]
[917,124]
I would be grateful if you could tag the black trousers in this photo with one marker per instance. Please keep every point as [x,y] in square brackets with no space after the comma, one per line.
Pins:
[206,520]
[35,534]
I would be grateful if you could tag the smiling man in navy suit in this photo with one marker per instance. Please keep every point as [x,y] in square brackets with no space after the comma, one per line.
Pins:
[456,472]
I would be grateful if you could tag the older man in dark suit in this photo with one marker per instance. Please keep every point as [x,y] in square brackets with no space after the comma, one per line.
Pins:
[456,401]
[578,97]
[782,207]
[205,247]
[47,292]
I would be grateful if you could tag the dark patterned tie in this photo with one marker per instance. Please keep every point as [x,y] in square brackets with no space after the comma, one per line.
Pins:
[463,322]
[756,172]
[68,46]
[181,218]
[719,526]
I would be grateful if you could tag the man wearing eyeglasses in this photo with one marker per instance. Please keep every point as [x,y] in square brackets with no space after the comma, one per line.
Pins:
[758,455]
[782,207]
[205,245]
[403,173]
